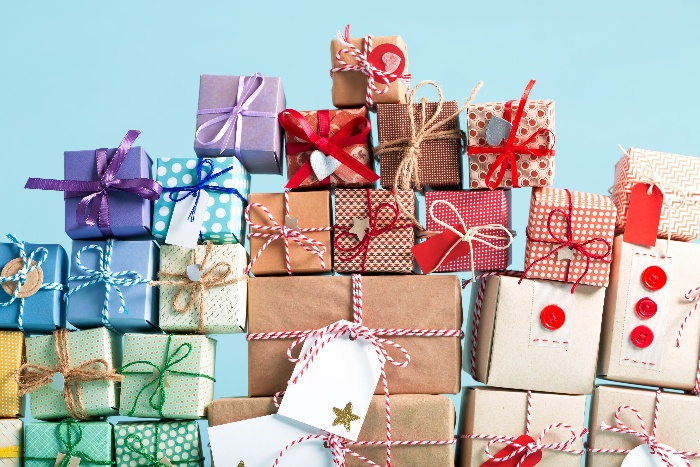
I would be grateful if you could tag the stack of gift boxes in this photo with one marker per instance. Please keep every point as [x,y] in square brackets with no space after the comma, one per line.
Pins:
[349,368]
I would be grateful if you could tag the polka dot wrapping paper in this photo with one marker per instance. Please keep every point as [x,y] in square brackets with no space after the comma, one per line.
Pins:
[11,436]
[177,441]
[11,354]
[43,444]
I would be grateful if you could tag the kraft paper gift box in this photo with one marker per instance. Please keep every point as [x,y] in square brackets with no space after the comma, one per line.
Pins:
[254,137]
[559,218]
[305,303]
[98,398]
[135,263]
[651,333]
[11,357]
[676,427]
[138,443]
[152,386]
[223,219]
[311,210]
[371,232]
[681,175]
[221,304]
[413,418]
[11,435]
[489,413]
[39,306]
[87,443]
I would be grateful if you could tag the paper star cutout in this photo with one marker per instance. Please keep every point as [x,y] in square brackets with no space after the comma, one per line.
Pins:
[291,222]
[360,226]
[565,253]
[345,416]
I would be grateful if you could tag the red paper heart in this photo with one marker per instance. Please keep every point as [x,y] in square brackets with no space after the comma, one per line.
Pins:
[376,58]
[643,215]
[530,461]
[429,253]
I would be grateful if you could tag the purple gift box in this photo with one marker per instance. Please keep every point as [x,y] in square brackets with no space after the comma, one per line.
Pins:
[239,114]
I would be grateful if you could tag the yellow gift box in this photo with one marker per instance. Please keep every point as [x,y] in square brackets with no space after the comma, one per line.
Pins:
[11,353]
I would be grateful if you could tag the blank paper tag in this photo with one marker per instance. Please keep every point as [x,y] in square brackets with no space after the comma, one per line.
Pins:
[74,461]
[641,456]
[181,231]
[643,215]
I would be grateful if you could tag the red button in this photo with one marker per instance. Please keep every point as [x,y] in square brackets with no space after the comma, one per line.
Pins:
[653,278]
[642,337]
[645,308]
[552,317]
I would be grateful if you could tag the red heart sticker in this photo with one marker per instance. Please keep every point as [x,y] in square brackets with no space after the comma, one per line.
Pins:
[530,461]
[429,252]
[643,215]
[388,58]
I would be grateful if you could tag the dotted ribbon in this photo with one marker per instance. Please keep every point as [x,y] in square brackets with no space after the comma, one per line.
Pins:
[70,434]
[134,443]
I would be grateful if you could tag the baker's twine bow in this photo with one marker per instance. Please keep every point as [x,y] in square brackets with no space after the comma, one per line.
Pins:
[93,208]
[30,263]
[568,242]
[374,75]
[158,398]
[508,152]
[70,434]
[233,116]
[104,275]
[693,296]
[31,377]
[275,231]
[134,443]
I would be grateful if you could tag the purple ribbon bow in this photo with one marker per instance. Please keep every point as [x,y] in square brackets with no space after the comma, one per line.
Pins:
[246,95]
[94,207]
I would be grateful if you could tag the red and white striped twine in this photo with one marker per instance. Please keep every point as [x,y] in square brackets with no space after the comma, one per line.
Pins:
[693,295]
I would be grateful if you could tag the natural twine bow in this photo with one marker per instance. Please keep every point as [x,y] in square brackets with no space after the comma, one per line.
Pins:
[134,443]
[217,275]
[70,440]
[31,377]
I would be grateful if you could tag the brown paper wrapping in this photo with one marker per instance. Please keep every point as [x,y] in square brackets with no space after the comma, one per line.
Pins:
[413,418]
[313,209]
[301,303]
[677,422]
[487,411]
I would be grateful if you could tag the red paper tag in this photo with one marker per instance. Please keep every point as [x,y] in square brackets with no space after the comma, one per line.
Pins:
[429,253]
[530,461]
[643,215]
[389,58]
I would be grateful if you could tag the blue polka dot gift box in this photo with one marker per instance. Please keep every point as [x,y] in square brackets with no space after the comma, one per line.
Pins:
[83,443]
[162,444]
[222,181]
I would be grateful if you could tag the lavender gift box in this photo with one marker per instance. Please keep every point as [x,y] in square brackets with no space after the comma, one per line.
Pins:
[260,144]
[85,306]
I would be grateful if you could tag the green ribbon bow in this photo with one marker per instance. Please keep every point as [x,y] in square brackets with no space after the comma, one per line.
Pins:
[134,443]
[71,439]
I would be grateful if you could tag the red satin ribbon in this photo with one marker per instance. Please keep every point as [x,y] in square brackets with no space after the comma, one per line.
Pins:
[507,154]
[356,131]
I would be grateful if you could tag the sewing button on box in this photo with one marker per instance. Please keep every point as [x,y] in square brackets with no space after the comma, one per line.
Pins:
[645,308]
[642,337]
[653,278]
[552,317]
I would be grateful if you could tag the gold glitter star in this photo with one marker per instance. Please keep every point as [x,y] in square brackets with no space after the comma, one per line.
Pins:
[241,464]
[344,416]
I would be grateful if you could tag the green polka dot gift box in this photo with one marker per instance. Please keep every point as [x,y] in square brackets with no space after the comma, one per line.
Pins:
[165,443]
[48,444]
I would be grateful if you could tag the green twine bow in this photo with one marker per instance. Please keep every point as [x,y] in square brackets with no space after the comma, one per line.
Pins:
[134,443]
[70,441]
[158,398]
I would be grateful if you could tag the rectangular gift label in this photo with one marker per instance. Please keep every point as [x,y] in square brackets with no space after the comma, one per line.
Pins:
[643,215]
[184,231]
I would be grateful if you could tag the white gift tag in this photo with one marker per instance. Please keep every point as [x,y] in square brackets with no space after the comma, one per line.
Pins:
[74,461]
[334,391]
[181,231]
[641,456]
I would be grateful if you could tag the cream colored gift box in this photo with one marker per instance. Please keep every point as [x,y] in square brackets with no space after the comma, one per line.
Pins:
[11,442]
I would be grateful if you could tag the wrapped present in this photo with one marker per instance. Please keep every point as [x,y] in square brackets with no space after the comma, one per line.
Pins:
[222,181]
[68,444]
[372,231]
[237,117]
[511,144]
[526,428]
[301,243]
[108,285]
[11,435]
[11,357]
[33,301]
[328,148]
[673,207]
[108,192]
[281,309]
[643,428]
[422,426]
[170,443]
[534,335]
[167,376]
[569,237]
[71,374]
[468,231]
[202,289]
[650,332]
[369,70]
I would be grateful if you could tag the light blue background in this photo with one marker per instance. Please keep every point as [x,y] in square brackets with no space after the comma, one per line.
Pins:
[77,75]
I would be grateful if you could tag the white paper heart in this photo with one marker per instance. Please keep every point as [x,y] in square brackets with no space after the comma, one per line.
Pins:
[57,382]
[641,456]
[194,273]
[391,62]
[497,130]
[322,165]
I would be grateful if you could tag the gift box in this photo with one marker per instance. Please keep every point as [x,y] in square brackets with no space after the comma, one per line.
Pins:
[485,214]
[569,237]
[11,356]
[38,307]
[226,182]
[534,335]
[213,300]
[91,392]
[108,285]
[499,419]
[84,443]
[309,213]
[142,443]
[413,418]
[167,376]
[372,234]
[237,117]
[670,418]
[511,144]
[681,177]
[648,335]
[11,434]
[305,303]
